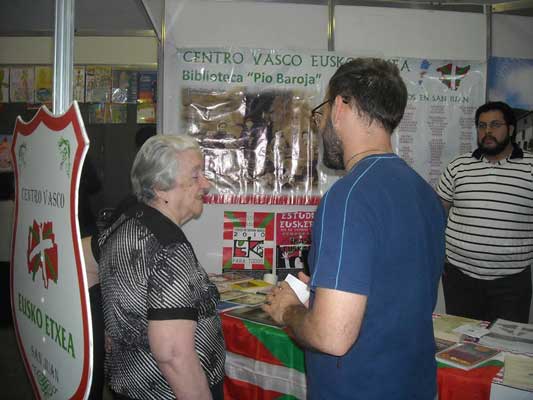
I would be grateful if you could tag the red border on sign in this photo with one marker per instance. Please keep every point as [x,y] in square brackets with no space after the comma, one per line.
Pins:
[55,123]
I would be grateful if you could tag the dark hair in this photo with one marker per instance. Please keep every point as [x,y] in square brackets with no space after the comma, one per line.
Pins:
[376,87]
[508,113]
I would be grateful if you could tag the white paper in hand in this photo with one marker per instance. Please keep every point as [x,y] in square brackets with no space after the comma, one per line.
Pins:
[300,288]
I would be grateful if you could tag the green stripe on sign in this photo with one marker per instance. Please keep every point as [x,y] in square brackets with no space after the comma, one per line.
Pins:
[287,397]
[235,221]
[279,344]
[266,220]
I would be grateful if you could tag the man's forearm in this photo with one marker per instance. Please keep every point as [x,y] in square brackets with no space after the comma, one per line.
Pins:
[297,319]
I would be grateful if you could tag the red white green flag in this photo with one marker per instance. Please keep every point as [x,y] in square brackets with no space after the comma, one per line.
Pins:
[262,363]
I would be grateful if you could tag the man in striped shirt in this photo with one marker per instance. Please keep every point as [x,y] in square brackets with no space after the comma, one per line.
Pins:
[489,235]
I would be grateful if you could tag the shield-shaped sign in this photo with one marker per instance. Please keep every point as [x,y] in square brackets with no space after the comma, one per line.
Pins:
[48,285]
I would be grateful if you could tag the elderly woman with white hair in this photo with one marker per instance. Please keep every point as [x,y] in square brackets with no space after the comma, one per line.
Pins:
[159,305]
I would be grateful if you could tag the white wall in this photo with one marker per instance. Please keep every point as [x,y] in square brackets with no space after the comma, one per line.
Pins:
[512,36]
[138,51]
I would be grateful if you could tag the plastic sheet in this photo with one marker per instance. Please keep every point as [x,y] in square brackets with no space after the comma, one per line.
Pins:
[259,146]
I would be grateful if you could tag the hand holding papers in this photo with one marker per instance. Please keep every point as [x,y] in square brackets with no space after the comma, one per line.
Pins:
[300,288]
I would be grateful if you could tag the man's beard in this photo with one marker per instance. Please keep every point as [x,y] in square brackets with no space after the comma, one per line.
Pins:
[493,151]
[333,154]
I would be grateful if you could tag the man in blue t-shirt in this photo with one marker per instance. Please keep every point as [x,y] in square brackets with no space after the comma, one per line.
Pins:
[377,252]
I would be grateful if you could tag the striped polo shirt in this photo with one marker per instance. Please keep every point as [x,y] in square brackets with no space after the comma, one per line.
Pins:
[490,225]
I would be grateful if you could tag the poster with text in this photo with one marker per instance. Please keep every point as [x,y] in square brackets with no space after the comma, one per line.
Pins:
[293,238]
[248,240]
[21,82]
[49,294]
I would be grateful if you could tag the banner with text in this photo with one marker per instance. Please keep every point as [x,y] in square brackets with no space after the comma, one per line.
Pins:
[250,111]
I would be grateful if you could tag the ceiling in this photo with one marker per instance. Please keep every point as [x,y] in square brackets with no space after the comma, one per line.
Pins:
[130,18]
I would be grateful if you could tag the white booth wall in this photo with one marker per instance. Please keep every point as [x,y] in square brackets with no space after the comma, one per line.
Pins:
[380,31]
[377,31]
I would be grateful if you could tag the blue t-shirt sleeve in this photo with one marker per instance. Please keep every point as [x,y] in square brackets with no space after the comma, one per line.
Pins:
[344,250]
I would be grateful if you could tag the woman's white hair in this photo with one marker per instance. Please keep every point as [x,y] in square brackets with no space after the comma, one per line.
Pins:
[156,165]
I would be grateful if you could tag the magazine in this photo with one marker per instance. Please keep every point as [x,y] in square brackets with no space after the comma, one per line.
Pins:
[254,314]
[510,336]
[444,325]
[466,355]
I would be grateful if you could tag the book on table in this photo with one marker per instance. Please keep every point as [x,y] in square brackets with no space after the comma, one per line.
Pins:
[441,344]
[240,301]
[253,286]
[466,355]
[231,294]
[254,314]
[224,280]
[250,299]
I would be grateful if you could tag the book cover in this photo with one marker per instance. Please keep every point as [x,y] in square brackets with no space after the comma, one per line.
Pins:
[124,88]
[78,84]
[441,344]
[97,84]
[466,355]
[118,113]
[21,82]
[254,314]
[43,84]
[147,90]
[146,113]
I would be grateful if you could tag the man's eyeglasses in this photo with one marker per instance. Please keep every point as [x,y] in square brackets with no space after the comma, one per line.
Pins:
[481,126]
[316,113]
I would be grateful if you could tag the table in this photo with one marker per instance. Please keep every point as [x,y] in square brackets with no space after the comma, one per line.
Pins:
[263,363]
